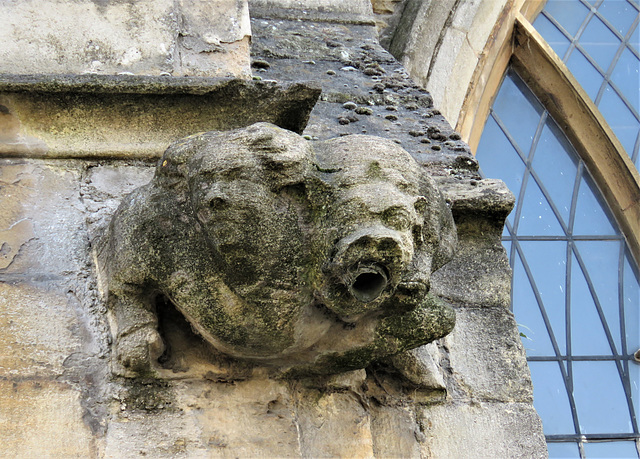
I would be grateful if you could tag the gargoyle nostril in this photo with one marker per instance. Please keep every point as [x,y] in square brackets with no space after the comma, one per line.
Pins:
[368,283]
[217,203]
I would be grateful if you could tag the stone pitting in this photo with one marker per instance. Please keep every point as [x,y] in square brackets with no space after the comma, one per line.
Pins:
[312,257]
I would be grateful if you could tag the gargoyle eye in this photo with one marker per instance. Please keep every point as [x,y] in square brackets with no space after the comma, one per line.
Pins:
[217,203]
[420,205]
[397,218]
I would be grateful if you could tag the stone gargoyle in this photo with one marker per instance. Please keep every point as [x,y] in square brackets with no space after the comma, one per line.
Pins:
[309,257]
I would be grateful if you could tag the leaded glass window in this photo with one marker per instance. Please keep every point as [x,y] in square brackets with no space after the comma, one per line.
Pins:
[576,293]
[598,40]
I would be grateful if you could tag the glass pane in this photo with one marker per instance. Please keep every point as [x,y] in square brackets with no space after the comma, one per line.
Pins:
[620,118]
[547,261]
[591,218]
[631,288]
[626,76]
[507,247]
[636,153]
[563,450]
[528,316]
[587,332]
[519,113]
[556,39]
[634,41]
[601,259]
[620,14]
[600,43]
[611,449]
[586,74]
[537,217]
[600,400]
[634,374]
[505,230]
[569,14]
[498,157]
[550,398]
[556,168]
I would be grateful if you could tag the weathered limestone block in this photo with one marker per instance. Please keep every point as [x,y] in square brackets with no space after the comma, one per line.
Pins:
[479,275]
[102,190]
[355,11]
[37,331]
[214,38]
[337,425]
[40,201]
[41,418]
[131,116]
[311,259]
[395,432]
[201,418]
[505,430]
[145,37]
[487,358]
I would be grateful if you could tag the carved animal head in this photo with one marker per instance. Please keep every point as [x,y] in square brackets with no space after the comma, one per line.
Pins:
[390,227]
[308,246]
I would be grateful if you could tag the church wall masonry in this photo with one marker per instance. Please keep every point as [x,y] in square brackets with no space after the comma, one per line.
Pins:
[466,395]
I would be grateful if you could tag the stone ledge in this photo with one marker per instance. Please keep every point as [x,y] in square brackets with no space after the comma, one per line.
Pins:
[126,116]
[335,11]
[487,196]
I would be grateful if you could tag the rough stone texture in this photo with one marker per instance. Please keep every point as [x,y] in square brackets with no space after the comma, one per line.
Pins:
[147,37]
[395,432]
[353,11]
[38,331]
[488,370]
[336,425]
[350,65]
[480,430]
[135,116]
[314,257]
[440,44]
[32,225]
[58,396]
[387,14]
[480,274]
[43,418]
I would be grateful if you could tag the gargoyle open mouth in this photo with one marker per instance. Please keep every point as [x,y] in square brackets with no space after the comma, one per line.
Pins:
[368,282]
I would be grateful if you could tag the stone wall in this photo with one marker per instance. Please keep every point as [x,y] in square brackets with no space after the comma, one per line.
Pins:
[152,37]
[441,42]
[471,395]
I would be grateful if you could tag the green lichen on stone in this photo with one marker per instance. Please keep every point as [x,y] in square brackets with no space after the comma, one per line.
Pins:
[313,257]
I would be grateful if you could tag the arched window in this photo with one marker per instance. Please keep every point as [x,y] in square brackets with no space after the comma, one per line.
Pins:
[572,237]
[598,41]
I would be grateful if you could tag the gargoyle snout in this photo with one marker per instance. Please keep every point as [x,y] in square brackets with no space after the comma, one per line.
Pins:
[370,261]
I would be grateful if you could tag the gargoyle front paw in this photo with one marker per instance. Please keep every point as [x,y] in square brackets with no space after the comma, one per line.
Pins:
[137,352]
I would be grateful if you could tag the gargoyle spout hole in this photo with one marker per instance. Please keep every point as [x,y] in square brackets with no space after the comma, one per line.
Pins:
[369,282]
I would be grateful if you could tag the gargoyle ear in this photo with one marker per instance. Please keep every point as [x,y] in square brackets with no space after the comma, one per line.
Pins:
[442,232]
[448,237]
[172,167]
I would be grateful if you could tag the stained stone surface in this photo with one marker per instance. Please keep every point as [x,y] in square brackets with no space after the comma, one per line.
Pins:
[310,258]
[43,418]
[147,37]
[58,395]
[57,336]
[131,116]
